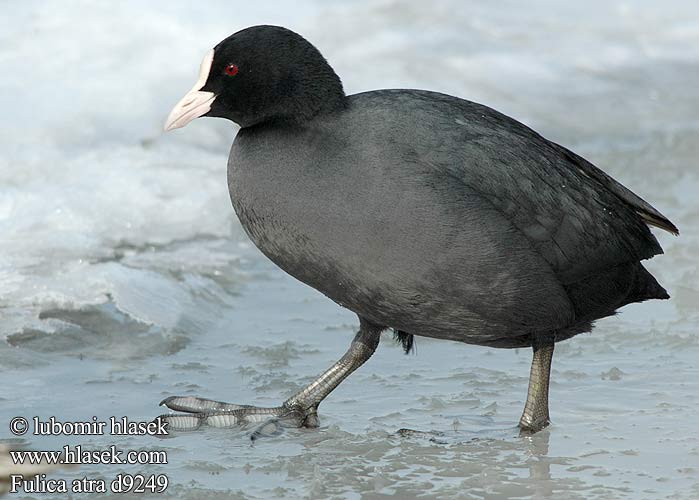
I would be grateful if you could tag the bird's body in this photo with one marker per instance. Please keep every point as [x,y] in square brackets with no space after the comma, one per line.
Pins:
[419,211]
[440,217]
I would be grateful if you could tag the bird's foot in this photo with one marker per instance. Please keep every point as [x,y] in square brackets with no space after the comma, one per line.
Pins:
[300,410]
[529,426]
[198,412]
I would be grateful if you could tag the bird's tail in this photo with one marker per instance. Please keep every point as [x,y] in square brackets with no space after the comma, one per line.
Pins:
[646,286]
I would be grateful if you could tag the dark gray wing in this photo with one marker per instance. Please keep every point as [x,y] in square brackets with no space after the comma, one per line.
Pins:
[649,214]
[578,218]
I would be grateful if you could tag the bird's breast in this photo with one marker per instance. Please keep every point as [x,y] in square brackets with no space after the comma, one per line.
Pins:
[396,242]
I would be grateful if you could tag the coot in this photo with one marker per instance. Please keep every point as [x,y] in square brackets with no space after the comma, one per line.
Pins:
[421,212]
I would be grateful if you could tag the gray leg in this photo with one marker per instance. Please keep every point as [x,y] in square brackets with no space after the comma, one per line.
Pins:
[536,410]
[360,350]
[299,410]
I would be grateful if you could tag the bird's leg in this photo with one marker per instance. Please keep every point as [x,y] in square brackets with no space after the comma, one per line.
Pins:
[297,411]
[536,410]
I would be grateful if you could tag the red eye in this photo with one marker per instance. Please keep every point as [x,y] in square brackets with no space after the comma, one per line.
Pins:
[231,70]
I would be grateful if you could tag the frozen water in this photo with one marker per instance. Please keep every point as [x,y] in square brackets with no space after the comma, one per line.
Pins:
[125,277]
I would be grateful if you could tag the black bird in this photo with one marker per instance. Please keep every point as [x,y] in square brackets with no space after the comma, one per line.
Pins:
[418,211]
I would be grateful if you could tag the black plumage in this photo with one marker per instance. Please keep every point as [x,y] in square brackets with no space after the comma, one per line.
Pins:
[440,217]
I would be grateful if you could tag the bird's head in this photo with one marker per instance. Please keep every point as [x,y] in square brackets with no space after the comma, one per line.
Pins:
[260,74]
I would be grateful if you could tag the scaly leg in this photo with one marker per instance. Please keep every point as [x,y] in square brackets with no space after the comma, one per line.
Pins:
[297,411]
[536,410]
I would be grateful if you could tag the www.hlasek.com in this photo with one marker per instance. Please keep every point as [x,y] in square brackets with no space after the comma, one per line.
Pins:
[78,455]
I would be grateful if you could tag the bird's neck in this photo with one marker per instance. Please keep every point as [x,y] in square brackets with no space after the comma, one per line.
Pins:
[305,99]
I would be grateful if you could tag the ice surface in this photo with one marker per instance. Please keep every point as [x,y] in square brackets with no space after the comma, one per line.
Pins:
[125,277]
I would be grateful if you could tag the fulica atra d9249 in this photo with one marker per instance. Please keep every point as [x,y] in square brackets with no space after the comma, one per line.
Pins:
[418,211]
